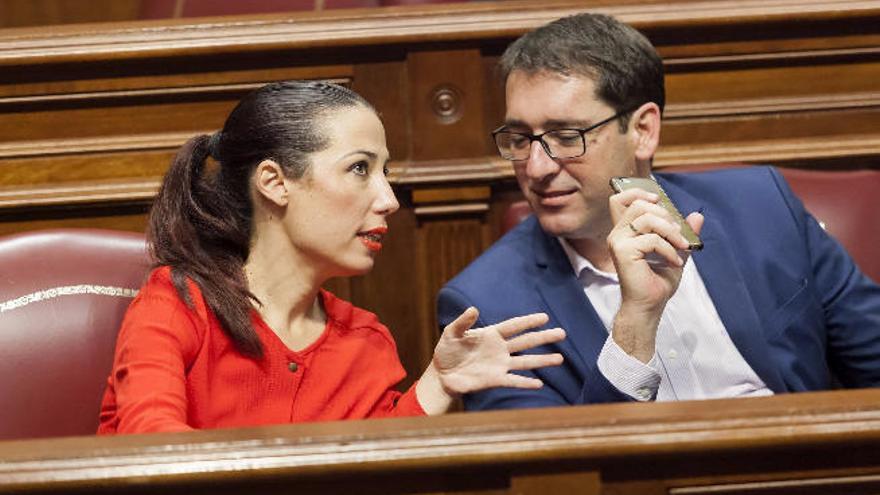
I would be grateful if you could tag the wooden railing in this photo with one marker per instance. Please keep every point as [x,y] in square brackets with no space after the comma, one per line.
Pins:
[90,115]
[806,444]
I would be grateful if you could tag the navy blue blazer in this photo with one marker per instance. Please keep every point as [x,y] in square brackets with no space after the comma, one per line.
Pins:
[791,298]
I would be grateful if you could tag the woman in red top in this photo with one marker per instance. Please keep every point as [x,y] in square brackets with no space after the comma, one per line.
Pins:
[233,328]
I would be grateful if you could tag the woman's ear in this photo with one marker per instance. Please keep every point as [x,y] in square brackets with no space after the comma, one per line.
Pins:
[645,124]
[270,184]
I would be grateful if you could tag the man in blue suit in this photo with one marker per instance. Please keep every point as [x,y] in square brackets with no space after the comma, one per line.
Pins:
[772,304]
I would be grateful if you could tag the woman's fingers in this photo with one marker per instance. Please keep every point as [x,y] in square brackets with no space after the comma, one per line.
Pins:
[519,381]
[463,323]
[532,361]
[519,324]
[535,339]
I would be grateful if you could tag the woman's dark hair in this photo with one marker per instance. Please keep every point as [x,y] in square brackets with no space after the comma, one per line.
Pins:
[201,220]
[626,68]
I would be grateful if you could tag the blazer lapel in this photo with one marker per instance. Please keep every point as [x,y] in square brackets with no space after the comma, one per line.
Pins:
[565,299]
[719,270]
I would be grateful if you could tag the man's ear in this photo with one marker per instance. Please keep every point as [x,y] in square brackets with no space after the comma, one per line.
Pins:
[270,184]
[645,124]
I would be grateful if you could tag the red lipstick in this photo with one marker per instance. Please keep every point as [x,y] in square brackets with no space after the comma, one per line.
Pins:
[372,238]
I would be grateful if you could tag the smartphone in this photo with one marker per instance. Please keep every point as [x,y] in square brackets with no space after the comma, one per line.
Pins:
[620,184]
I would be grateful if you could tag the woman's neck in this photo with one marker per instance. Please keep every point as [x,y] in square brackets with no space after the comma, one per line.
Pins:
[288,288]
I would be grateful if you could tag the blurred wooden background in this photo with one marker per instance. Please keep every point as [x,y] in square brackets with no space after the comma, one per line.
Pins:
[18,13]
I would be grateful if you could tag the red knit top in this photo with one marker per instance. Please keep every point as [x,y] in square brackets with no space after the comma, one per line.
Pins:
[175,369]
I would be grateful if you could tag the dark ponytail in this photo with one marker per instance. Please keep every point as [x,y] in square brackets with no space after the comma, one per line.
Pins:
[201,220]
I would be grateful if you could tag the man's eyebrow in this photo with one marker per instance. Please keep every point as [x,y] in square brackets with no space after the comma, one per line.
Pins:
[515,124]
[549,124]
[567,124]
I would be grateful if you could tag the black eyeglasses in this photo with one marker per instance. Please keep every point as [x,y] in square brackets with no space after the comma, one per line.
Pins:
[558,143]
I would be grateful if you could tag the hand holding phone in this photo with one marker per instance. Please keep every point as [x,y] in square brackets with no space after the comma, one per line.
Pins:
[620,184]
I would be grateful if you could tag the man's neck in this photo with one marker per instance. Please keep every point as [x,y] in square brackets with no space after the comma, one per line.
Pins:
[596,252]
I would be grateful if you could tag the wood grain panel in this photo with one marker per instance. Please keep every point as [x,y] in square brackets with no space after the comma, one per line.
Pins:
[384,85]
[446,102]
[432,24]
[795,85]
[84,167]
[797,136]
[210,73]
[128,218]
[794,443]
[44,12]
[445,247]
[854,485]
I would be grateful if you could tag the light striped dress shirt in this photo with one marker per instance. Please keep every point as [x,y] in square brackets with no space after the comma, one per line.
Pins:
[694,356]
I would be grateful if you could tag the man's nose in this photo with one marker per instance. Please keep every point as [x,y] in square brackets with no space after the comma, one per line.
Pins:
[540,165]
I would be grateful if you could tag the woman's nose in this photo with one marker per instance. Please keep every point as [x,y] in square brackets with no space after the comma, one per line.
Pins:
[386,202]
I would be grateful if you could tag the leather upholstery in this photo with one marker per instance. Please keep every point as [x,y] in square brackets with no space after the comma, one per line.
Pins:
[845,203]
[63,294]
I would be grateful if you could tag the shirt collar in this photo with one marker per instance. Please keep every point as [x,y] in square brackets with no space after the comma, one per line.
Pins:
[582,266]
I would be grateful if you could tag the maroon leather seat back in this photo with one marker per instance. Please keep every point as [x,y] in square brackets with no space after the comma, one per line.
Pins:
[844,202]
[63,294]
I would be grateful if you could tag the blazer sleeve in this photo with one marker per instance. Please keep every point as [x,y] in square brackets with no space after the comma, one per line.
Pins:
[849,299]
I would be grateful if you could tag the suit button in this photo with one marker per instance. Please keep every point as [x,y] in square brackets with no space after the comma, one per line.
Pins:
[292,366]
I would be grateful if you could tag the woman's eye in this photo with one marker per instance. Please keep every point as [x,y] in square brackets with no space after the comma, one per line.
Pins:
[360,168]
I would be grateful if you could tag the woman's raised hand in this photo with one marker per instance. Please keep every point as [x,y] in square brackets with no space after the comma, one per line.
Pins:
[470,359]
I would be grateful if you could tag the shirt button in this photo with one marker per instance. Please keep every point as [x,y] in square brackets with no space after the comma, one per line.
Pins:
[643,393]
[292,366]
[672,354]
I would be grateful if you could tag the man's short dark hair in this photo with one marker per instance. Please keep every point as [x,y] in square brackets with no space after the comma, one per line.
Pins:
[625,66]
